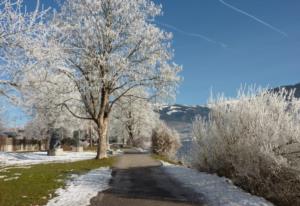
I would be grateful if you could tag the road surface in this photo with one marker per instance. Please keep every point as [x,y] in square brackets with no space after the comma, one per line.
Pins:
[138,179]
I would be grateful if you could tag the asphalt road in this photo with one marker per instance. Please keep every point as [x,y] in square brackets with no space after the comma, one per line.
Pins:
[138,179]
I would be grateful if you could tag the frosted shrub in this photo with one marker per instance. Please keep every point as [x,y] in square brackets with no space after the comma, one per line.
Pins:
[244,139]
[165,141]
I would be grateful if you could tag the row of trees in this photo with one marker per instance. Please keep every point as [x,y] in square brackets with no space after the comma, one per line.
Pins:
[133,119]
[92,59]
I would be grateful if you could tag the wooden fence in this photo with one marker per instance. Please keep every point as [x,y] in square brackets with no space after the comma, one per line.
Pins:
[8,144]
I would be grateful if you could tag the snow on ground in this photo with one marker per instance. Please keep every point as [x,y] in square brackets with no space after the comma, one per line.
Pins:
[29,158]
[81,189]
[217,191]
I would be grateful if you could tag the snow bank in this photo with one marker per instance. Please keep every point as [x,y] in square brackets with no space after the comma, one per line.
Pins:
[82,188]
[29,158]
[217,191]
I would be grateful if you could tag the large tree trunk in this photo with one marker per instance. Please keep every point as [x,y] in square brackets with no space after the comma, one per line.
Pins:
[102,126]
[130,129]
[130,141]
[102,138]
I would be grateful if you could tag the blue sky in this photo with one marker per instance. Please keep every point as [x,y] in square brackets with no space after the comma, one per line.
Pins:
[255,54]
[238,49]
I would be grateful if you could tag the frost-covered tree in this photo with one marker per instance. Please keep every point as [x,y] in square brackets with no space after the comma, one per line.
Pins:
[134,118]
[1,124]
[20,32]
[37,128]
[43,99]
[107,48]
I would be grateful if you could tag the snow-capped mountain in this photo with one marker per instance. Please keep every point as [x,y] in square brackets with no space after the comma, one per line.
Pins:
[180,117]
[182,113]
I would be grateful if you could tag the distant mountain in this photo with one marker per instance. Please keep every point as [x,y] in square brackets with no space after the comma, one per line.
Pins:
[290,88]
[182,113]
[180,117]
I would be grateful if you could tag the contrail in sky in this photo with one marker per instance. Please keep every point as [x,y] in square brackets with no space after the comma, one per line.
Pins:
[193,34]
[254,18]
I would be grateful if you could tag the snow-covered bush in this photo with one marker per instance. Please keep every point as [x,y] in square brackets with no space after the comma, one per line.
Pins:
[165,141]
[244,139]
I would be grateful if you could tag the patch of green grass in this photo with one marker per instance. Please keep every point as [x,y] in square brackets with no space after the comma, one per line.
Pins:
[35,185]
[165,159]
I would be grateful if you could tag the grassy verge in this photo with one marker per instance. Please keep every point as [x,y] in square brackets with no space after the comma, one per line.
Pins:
[34,185]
